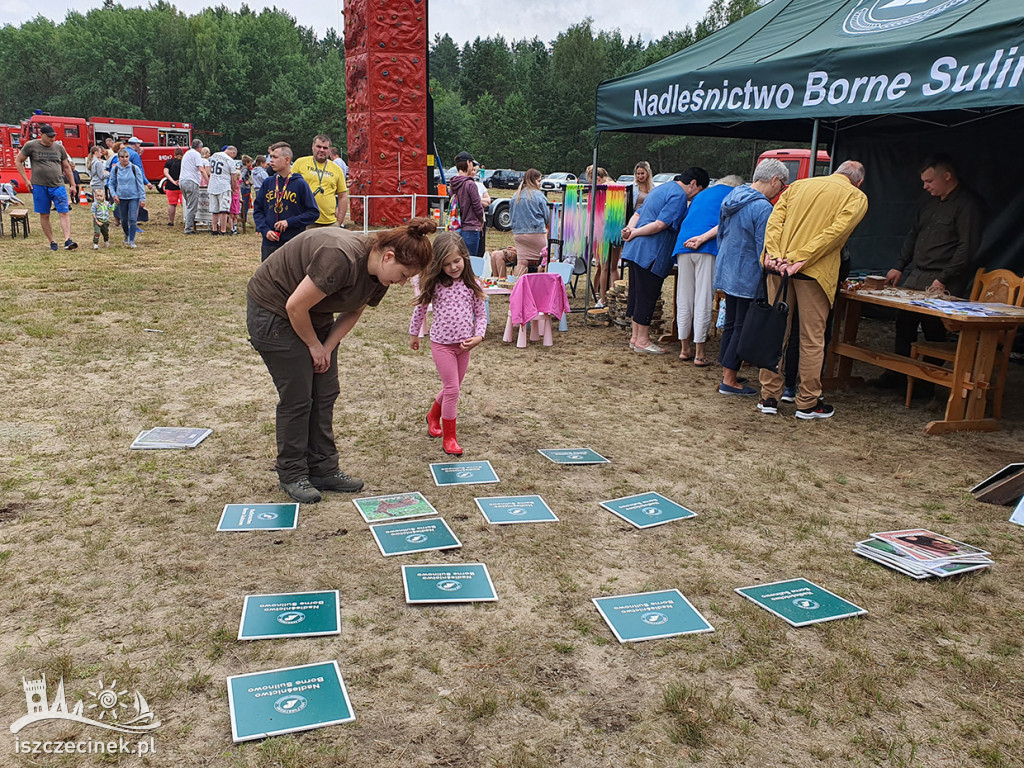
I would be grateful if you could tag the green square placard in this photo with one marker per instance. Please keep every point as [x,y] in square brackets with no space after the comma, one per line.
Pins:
[505,510]
[646,510]
[405,538]
[290,614]
[800,602]
[287,700]
[463,473]
[573,455]
[651,615]
[457,583]
[259,517]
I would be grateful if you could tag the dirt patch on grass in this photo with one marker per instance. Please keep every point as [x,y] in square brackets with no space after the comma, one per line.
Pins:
[112,569]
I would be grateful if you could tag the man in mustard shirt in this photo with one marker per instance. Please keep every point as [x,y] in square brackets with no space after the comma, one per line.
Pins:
[326,180]
[806,232]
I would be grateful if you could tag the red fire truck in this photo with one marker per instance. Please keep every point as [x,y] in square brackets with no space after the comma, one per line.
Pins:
[10,145]
[78,136]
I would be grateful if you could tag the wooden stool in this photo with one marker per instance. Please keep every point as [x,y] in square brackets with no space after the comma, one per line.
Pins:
[19,218]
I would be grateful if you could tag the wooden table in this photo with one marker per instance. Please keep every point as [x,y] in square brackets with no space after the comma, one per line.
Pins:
[968,380]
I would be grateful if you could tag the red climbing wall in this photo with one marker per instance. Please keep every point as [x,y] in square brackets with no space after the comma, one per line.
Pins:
[386,103]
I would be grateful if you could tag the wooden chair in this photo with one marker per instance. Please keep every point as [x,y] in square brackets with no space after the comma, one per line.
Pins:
[19,220]
[1000,286]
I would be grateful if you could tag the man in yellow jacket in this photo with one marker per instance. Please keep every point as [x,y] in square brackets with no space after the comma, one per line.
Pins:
[806,232]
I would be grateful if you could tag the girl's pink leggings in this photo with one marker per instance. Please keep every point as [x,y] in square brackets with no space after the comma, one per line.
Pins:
[451,361]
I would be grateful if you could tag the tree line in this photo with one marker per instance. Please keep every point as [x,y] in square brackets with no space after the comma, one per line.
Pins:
[252,78]
[244,78]
[524,104]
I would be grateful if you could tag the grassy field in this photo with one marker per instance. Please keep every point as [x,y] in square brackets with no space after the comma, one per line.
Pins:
[112,569]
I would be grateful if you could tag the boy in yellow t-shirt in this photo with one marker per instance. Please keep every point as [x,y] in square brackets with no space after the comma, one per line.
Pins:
[326,180]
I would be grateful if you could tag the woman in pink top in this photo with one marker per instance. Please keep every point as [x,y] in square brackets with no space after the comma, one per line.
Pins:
[458,326]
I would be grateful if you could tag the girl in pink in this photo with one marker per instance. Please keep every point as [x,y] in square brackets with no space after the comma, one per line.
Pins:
[458,326]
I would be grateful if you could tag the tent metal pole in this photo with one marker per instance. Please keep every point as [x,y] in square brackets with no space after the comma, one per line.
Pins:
[814,148]
[587,246]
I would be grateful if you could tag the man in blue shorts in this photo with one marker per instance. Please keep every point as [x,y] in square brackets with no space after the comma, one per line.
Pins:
[50,167]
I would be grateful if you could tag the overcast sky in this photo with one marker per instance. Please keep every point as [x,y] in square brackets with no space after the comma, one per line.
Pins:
[462,19]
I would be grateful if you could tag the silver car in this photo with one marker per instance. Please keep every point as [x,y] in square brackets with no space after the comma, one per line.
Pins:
[557,180]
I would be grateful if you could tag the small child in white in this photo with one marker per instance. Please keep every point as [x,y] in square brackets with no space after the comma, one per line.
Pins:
[460,322]
[101,211]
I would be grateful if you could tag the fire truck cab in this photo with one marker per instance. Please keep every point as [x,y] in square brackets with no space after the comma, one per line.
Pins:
[799,162]
[72,132]
[10,145]
[159,139]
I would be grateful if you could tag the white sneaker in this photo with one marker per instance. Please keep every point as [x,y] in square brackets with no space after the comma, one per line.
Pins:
[599,305]
[95,246]
[106,243]
[131,245]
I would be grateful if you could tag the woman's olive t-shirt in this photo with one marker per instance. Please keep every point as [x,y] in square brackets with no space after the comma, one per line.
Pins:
[334,259]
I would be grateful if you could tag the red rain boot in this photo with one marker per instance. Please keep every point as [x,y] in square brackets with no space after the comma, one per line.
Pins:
[434,420]
[450,444]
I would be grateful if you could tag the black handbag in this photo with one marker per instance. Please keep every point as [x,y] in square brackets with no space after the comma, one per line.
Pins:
[143,214]
[764,328]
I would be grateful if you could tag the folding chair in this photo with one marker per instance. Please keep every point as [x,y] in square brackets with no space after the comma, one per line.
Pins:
[565,269]
[579,267]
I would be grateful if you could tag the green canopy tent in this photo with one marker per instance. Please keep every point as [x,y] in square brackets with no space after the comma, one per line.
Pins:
[886,82]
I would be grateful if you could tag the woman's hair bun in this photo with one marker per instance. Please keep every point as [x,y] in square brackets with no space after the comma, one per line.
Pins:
[422,226]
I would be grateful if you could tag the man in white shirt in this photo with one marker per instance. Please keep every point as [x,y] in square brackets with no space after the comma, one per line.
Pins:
[192,175]
[336,157]
[222,173]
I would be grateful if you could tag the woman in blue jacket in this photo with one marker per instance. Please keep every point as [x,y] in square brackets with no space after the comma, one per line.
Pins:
[530,217]
[742,221]
[696,249]
[129,186]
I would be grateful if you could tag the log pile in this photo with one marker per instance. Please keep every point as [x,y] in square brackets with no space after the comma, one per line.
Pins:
[618,296]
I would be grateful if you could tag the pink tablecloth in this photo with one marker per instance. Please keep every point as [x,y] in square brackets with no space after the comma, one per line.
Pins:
[536,293]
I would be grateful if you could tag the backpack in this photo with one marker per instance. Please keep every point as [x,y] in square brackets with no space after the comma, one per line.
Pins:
[454,220]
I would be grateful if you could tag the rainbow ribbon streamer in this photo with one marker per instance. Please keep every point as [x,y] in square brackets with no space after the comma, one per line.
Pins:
[609,204]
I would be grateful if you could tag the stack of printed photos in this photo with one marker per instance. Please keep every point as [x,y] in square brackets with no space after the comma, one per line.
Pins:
[162,438]
[921,554]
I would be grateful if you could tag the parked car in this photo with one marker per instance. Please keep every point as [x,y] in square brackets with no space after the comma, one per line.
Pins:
[504,178]
[626,178]
[661,178]
[557,181]
[499,214]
